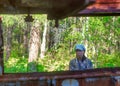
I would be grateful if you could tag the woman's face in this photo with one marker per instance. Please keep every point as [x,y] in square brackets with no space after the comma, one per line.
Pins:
[79,53]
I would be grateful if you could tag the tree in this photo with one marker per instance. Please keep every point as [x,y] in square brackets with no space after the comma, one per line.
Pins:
[43,45]
[34,44]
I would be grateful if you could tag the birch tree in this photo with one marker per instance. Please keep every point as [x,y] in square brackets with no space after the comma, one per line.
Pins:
[43,45]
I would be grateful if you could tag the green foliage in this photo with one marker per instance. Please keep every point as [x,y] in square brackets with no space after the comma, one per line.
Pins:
[109,60]
[16,65]
[100,34]
[56,59]
[16,62]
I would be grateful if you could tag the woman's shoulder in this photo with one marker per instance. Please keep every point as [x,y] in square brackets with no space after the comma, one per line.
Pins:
[87,59]
[73,60]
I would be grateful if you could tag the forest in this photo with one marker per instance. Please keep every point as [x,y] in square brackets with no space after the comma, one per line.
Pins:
[39,46]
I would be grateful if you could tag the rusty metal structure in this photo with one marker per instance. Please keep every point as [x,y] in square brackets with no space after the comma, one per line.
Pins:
[58,9]
[101,8]
[93,77]
[55,9]
[1,49]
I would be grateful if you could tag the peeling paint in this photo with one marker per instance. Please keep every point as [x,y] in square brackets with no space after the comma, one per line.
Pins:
[91,79]
[116,80]
[10,84]
[18,83]
[23,78]
[42,78]
[1,70]
[70,82]
[54,82]
[49,82]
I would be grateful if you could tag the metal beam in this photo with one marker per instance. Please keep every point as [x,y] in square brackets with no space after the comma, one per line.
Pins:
[1,50]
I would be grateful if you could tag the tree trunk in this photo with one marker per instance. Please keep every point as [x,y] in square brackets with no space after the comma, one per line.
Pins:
[34,44]
[85,39]
[43,41]
[55,35]
[9,42]
[51,35]
[26,36]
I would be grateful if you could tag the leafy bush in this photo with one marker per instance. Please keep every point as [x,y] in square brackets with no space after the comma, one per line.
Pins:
[109,60]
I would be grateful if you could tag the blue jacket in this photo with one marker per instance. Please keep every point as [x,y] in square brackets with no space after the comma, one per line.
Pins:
[76,64]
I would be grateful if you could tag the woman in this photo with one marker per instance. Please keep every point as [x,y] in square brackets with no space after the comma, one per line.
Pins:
[80,62]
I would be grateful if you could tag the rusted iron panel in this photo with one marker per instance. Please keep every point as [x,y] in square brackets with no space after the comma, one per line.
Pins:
[63,82]
[25,83]
[1,49]
[99,81]
[101,7]
[116,80]
[107,1]
[61,75]
[55,9]
[93,77]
